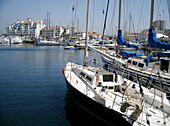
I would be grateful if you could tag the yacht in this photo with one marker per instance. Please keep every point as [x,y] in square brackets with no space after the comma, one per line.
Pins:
[47,43]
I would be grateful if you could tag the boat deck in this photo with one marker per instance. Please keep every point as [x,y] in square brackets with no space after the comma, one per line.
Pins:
[114,100]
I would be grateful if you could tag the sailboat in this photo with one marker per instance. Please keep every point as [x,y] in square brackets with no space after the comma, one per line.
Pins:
[47,42]
[15,40]
[11,40]
[3,40]
[112,98]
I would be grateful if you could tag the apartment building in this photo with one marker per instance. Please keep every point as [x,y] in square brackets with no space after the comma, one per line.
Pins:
[54,32]
[25,28]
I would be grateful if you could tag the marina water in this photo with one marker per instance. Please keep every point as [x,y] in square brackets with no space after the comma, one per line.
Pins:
[33,91]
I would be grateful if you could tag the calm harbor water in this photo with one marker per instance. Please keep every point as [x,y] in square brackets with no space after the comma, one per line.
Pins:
[33,90]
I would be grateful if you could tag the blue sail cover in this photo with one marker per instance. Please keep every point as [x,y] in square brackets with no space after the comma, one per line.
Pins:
[154,42]
[38,39]
[129,54]
[121,41]
[146,60]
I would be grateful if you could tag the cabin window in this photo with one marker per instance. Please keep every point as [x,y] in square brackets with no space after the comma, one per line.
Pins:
[82,74]
[134,63]
[140,65]
[107,78]
[89,78]
[129,61]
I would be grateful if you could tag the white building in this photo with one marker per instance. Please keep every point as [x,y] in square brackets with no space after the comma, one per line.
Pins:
[55,32]
[25,28]
[48,33]
[61,30]
[133,37]
[80,34]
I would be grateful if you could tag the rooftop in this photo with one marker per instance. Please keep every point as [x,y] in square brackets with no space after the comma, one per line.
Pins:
[80,31]
[132,35]
[94,34]
[63,27]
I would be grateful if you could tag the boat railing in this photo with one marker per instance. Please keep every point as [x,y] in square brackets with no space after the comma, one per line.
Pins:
[129,111]
[121,96]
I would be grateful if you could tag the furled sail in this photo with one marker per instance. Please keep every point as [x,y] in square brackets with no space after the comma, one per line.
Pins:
[129,54]
[154,42]
[146,60]
[121,41]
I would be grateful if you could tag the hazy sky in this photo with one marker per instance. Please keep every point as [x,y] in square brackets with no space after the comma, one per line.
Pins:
[62,14]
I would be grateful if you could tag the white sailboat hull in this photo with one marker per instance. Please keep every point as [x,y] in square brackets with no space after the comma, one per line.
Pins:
[47,43]
[93,99]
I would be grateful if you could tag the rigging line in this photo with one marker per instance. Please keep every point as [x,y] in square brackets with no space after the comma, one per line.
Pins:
[143,22]
[52,21]
[93,15]
[89,11]
[133,25]
[72,14]
[113,15]
[75,13]
[102,15]
[124,22]
[140,15]
[126,18]
[105,20]
[158,9]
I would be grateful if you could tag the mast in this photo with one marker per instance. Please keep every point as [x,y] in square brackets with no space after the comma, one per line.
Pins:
[49,26]
[77,28]
[129,22]
[46,26]
[120,1]
[168,3]
[87,22]
[105,21]
[117,47]
[152,11]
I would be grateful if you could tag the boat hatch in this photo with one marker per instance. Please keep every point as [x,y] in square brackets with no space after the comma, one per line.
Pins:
[108,78]
[109,88]
[165,65]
